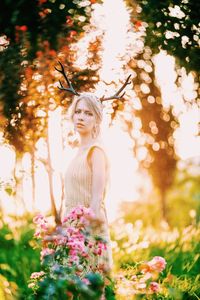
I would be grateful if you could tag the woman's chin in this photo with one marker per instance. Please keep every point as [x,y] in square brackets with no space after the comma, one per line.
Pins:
[80,129]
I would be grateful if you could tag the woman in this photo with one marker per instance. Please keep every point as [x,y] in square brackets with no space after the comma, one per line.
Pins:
[87,176]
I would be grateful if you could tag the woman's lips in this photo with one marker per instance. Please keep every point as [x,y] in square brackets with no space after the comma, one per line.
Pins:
[79,124]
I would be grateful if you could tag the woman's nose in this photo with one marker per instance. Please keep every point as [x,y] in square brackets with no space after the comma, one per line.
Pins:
[81,116]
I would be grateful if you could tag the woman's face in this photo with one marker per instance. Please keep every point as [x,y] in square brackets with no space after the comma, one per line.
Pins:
[83,118]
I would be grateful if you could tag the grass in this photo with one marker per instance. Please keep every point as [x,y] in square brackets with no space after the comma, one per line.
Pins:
[132,244]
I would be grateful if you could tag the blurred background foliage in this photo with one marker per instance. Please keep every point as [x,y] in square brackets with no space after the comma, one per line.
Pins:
[134,242]
[19,257]
[34,30]
[173,26]
[183,204]
[34,36]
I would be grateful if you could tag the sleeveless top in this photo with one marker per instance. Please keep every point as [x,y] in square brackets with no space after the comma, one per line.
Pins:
[78,179]
[78,188]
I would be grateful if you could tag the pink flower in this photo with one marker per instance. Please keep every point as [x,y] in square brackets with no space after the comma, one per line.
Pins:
[86,281]
[83,221]
[36,275]
[157,264]
[65,220]
[38,219]
[37,233]
[74,259]
[154,287]
[73,252]
[147,276]
[41,223]
[76,245]
[70,230]
[60,240]
[46,251]
[97,252]
[90,244]
[80,212]
[44,226]
[102,246]
[31,285]
[84,254]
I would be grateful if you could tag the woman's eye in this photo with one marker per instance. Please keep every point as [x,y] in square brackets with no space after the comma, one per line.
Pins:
[88,113]
[77,111]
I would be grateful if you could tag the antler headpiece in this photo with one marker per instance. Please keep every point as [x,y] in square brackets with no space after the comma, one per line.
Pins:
[72,90]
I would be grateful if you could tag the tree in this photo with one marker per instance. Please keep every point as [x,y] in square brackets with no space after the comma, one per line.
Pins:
[162,26]
[157,125]
[173,26]
[36,35]
[27,26]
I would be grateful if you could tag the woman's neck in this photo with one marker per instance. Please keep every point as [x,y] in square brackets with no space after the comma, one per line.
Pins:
[85,141]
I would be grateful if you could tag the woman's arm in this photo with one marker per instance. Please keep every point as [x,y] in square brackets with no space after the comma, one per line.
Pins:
[98,166]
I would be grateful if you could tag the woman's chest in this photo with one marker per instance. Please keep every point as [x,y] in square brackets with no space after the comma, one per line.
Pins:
[78,170]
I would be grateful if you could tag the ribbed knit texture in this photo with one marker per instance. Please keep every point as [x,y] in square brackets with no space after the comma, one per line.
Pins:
[78,187]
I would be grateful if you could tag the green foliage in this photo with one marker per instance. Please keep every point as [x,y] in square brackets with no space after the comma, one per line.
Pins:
[141,235]
[184,194]
[55,288]
[180,248]
[40,21]
[173,26]
[73,261]
[133,244]
[32,28]
[10,80]
[18,258]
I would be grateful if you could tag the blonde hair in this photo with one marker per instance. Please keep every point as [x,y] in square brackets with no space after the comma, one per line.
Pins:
[92,102]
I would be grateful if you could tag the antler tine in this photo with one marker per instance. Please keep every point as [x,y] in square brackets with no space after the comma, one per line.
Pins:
[117,94]
[70,88]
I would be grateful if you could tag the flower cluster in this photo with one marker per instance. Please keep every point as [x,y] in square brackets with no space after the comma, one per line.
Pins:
[156,265]
[69,252]
[141,279]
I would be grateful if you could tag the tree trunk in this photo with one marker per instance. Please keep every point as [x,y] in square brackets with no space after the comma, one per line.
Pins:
[50,176]
[61,176]
[18,197]
[164,207]
[62,195]
[33,177]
